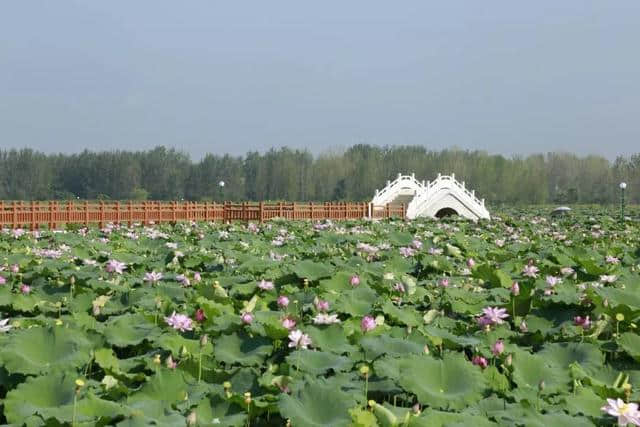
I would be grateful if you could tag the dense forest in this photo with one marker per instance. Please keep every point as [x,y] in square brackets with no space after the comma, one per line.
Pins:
[288,174]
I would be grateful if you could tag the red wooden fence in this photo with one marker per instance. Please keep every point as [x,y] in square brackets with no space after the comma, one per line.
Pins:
[55,214]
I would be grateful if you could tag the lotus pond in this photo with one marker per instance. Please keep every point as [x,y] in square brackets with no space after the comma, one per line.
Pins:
[522,321]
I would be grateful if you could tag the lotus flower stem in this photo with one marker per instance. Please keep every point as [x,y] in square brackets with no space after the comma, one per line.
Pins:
[200,366]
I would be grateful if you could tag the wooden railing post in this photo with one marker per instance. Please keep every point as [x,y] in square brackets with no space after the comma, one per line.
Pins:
[261,206]
[388,212]
[86,213]
[101,218]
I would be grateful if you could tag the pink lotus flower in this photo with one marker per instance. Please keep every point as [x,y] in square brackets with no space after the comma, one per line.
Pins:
[611,260]
[480,361]
[200,315]
[471,263]
[152,277]
[407,252]
[288,323]
[530,270]
[265,285]
[197,277]
[552,280]
[627,413]
[2,280]
[322,305]
[25,289]
[417,244]
[182,322]
[367,324]
[399,287]
[585,322]
[14,268]
[247,318]
[497,348]
[354,280]
[114,266]
[283,301]
[523,327]
[171,364]
[325,319]
[515,289]
[435,251]
[299,340]
[493,316]
[608,278]
[183,280]
[444,282]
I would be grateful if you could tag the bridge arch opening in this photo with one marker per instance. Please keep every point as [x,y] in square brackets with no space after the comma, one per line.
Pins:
[445,212]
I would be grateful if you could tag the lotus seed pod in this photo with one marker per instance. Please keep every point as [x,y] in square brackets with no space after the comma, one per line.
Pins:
[204,339]
[619,317]
[156,359]
[226,385]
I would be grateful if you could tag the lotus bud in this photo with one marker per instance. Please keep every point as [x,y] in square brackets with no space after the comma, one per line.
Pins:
[204,339]
[371,403]
[247,398]
[426,349]
[72,280]
[541,385]
[509,360]
[416,409]
[192,418]
[364,370]
[184,352]
[157,360]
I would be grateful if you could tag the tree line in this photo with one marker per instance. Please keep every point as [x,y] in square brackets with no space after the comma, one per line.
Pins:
[296,175]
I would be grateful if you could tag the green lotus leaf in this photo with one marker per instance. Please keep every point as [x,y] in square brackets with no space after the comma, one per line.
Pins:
[308,269]
[584,402]
[52,396]
[216,410]
[530,370]
[403,316]
[357,302]
[338,282]
[562,355]
[317,405]
[452,382]
[376,346]
[175,343]
[167,387]
[37,350]
[558,419]
[318,362]
[130,329]
[434,418]
[242,349]
[630,342]
[330,338]
[363,418]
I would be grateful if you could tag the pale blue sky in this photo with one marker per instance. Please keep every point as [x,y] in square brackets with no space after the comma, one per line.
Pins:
[228,77]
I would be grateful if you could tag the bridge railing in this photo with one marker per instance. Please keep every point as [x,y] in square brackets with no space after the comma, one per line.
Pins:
[54,214]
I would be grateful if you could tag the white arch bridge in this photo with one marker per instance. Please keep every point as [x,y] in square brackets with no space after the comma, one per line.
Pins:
[441,197]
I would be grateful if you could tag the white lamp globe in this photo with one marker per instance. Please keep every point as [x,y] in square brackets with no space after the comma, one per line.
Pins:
[221,184]
[623,185]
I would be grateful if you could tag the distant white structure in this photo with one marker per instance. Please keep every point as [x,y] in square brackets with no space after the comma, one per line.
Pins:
[441,197]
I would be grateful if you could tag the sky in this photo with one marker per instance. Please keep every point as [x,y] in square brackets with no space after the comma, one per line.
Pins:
[207,76]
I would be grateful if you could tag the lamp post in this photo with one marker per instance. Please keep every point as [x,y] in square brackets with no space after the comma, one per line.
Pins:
[623,186]
[221,186]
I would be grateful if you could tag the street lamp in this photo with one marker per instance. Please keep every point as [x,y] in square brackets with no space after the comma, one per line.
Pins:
[221,186]
[623,186]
